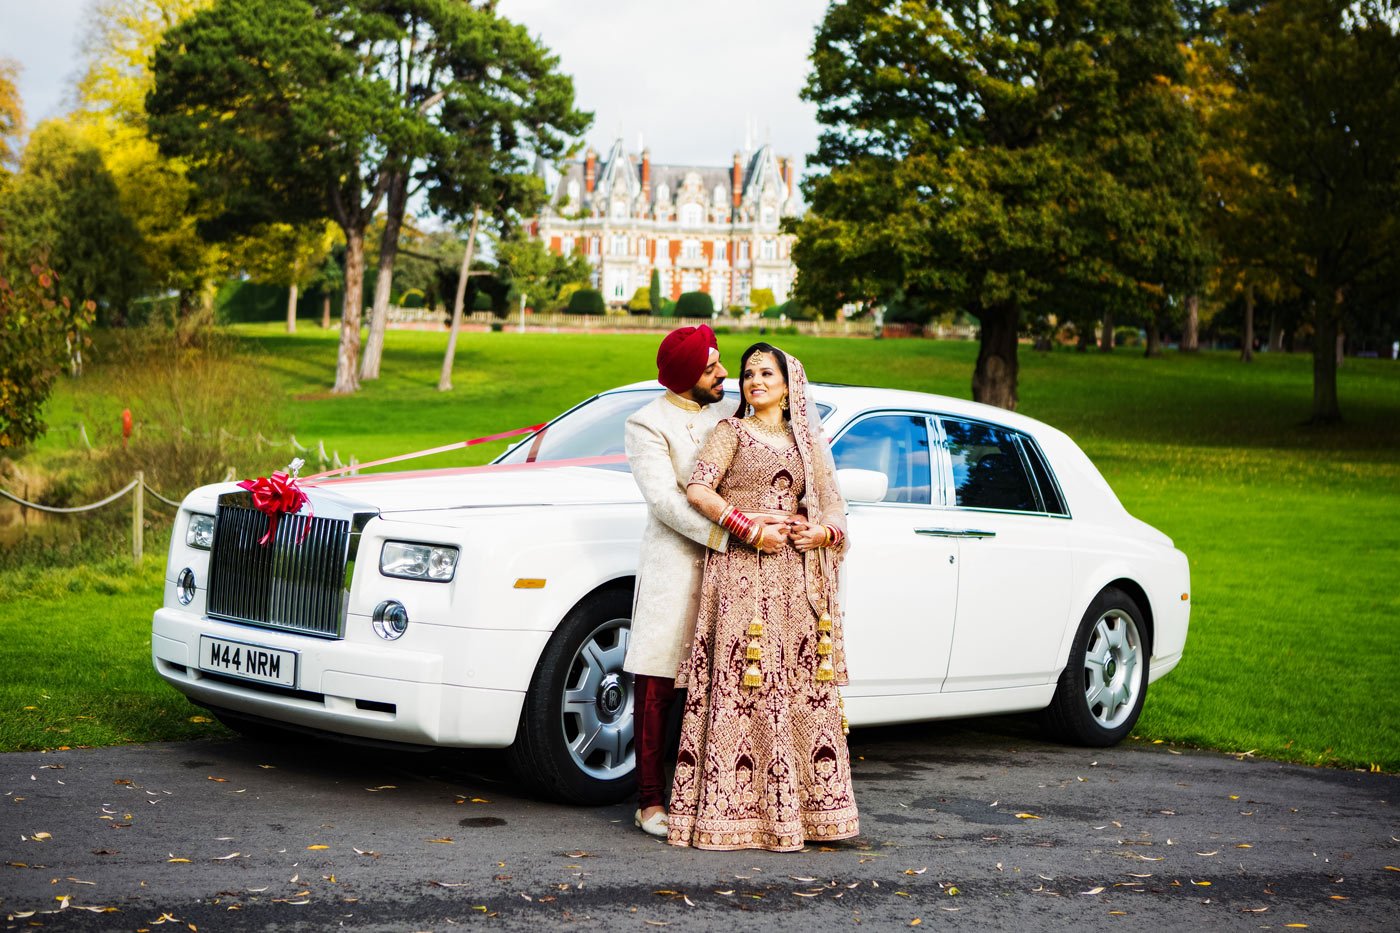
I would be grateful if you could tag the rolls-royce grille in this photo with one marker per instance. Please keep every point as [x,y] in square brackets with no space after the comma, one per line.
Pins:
[283,584]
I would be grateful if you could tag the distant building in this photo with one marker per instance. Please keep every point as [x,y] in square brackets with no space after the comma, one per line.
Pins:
[704,228]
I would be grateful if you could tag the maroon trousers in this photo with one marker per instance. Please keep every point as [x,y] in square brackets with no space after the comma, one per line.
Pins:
[652,700]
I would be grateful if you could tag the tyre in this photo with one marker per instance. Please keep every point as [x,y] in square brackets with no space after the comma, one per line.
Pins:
[1100,692]
[575,740]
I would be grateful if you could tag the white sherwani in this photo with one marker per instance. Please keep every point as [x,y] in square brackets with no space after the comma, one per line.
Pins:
[663,439]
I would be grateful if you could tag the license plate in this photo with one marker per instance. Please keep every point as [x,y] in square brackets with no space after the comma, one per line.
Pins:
[252,662]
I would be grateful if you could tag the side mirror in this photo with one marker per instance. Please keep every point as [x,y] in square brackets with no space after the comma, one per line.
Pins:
[863,485]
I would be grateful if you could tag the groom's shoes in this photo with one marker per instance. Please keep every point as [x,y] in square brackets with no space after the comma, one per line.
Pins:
[654,825]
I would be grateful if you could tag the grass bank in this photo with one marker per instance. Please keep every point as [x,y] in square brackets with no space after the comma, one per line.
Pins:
[1292,531]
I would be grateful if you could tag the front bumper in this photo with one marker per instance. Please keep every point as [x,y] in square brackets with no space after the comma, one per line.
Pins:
[375,691]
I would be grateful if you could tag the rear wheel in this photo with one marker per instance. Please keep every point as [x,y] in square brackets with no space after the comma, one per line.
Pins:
[575,741]
[1099,695]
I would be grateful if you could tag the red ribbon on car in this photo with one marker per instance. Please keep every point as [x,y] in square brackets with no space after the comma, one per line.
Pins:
[275,496]
[423,453]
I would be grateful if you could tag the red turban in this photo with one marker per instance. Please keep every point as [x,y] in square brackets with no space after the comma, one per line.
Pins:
[683,356]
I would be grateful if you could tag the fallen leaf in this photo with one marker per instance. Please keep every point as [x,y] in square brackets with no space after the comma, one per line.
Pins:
[1117,913]
[445,840]
[796,878]
[1296,926]
[1201,884]
[915,922]
[1027,816]
[1244,845]
[1339,897]
[1208,854]
[200,719]
[480,800]
[225,858]
[1391,868]
[183,860]
[1098,890]
[317,847]
[217,780]
[41,836]
[915,871]
[1253,910]
[805,894]
[725,893]
[953,891]
[367,852]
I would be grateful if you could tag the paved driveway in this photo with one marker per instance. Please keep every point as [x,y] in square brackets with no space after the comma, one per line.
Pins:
[961,828]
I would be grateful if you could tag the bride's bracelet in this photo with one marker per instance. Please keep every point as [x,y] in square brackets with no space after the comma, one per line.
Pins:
[834,536]
[740,525]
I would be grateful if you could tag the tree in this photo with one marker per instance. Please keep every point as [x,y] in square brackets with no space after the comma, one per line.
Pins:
[761,299]
[63,209]
[999,159]
[11,118]
[39,327]
[527,267]
[1320,94]
[654,291]
[292,110]
[280,254]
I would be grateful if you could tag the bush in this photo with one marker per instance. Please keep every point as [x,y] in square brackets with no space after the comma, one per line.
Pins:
[695,304]
[668,308]
[641,301]
[586,301]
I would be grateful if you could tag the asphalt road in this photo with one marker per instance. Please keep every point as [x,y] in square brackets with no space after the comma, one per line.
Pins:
[961,828]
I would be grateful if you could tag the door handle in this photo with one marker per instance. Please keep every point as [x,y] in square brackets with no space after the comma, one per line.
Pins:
[954,533]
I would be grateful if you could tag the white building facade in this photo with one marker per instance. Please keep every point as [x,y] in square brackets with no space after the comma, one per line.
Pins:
[706,229]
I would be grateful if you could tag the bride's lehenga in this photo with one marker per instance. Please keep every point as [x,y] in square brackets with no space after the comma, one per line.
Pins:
[762,766]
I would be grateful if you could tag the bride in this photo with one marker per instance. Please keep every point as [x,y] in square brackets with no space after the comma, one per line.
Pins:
[763,762]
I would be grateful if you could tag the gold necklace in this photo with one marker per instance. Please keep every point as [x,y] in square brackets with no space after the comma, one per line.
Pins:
[782,431]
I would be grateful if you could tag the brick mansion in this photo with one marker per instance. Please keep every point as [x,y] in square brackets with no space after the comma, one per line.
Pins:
[703,228]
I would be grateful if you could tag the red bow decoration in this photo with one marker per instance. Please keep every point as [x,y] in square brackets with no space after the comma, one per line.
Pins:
[275,496]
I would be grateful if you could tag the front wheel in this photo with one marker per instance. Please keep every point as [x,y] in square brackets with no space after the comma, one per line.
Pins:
[575,740]
[1099,695]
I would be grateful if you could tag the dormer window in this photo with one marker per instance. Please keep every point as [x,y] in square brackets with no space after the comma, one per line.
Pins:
[692,215]
[663,193]
[572,193]
[619,210]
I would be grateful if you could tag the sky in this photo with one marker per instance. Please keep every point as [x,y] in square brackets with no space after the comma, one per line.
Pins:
[693,81]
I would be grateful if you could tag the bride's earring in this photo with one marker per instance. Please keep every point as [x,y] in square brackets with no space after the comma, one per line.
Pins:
[785,403]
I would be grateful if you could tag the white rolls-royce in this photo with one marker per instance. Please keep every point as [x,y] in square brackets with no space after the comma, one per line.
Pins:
[991,570]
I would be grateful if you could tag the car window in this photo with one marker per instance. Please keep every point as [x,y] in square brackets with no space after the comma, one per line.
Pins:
[595,428]
[988,472]
[895,445]
[1050,496]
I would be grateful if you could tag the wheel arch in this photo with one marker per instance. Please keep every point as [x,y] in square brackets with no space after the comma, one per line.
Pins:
[1134,591]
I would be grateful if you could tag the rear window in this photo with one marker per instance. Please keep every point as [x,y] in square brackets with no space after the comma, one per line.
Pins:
[988,470]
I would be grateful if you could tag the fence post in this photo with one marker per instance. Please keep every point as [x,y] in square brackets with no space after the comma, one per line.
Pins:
[137,539]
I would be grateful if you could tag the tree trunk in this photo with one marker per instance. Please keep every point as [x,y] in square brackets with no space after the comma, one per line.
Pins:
[326,310]
[1085,337]
[1247,350]
[1325,409]
[1191,331]
[384,282]
[1154,337]
[348,357]
[292,309]
[994,378]
[445,380]
[1275,332]
[1106,338]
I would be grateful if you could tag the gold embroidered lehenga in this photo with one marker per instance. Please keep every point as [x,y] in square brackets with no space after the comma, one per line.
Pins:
[764,766]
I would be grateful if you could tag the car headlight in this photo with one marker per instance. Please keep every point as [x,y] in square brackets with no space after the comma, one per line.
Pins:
[432,562]
[200,532]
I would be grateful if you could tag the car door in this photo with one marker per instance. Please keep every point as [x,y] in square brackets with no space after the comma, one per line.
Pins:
[1015,573]
[901,588]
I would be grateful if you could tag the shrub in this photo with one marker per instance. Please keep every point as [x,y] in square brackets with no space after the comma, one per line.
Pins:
[668,308]
[586,301]
[641,301]
[695,304]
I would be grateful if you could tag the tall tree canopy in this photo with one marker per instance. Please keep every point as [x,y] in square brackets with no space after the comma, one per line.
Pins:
[11,117]
[1000,158]
[1317,109]
[290,110]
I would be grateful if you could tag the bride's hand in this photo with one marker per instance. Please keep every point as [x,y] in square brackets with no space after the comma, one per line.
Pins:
[805,536]
[773,536]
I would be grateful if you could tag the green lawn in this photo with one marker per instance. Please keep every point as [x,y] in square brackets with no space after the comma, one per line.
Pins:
[1292,531]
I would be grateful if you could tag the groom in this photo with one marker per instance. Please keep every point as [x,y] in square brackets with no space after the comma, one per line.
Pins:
[663,439]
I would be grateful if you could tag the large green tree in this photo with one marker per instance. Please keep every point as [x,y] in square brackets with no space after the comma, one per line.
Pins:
[1001,159]
[289,110]
[1319,109]
[63,209]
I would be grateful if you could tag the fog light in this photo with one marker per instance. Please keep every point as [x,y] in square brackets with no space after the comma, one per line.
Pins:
[184,587]
[390,619]
[200,532]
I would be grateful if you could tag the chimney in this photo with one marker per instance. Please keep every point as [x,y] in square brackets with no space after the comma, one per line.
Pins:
[738,179]
[590,169]
[646,173]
